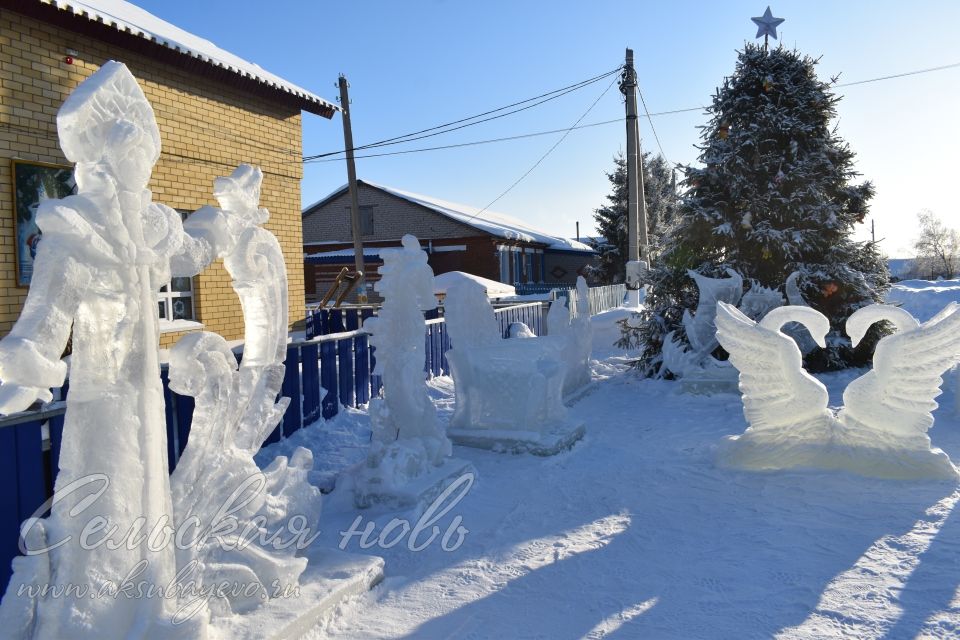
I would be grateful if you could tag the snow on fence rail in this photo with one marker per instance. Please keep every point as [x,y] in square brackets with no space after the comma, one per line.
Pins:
[601,298]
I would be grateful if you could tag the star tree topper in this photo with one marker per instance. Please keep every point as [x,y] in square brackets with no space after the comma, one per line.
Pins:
[767,24]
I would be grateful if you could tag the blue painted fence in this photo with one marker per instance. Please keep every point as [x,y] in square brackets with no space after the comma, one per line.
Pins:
[322,374]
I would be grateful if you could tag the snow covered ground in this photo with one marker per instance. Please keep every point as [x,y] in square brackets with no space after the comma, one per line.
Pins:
[635,533]
[924,298]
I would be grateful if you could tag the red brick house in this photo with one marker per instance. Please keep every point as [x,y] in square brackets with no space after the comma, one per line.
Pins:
[457,238]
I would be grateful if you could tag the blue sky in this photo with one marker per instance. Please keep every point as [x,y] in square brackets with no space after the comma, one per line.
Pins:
[415,64]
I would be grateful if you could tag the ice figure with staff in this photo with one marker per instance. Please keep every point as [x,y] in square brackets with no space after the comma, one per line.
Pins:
[105,253]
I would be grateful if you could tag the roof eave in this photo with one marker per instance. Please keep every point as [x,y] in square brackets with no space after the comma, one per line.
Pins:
[305,101]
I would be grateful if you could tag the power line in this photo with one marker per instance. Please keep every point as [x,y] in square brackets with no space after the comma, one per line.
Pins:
[652,128]
[466,122]
[470,144]
[549,151]
[563,91]
[900,75]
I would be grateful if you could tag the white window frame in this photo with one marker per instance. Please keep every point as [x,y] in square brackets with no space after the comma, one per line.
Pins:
[167,296]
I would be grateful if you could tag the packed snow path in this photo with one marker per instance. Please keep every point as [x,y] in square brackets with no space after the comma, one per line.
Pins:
[635,533]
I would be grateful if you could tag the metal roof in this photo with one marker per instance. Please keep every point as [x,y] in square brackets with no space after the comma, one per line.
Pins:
[127,18]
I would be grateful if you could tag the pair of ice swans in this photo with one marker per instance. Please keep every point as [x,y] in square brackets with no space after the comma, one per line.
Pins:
[887,409]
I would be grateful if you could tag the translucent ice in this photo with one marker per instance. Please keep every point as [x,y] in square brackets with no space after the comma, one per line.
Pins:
[469,316]
[233,415]
[235,412]
[700,327]
[882,428]
[577,335]
[502,384]
[105,254]
[408,439]
[760,300]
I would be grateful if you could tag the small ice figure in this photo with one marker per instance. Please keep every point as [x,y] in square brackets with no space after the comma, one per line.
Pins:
[576,332]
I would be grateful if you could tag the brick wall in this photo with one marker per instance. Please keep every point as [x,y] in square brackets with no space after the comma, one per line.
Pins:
[206,127]
[392,218]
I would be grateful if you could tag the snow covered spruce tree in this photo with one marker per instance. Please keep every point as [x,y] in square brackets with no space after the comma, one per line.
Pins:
[774,195]
[661,199]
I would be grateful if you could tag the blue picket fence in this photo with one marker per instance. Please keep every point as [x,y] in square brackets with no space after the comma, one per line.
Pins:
[322,374]
[322,322]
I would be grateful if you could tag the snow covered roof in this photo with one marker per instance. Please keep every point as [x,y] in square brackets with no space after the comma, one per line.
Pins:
[443,282]
[131,19]
[343,255]
[496,224]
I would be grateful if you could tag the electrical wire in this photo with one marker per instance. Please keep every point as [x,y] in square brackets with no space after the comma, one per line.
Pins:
[469,144]
[652,128]
[549,151]
[648,114]
[465,122]
[900,75]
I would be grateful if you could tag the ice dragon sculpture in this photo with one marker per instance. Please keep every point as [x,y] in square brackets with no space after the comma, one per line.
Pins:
[235,412]
[882,428]
[408,439]
[695,363]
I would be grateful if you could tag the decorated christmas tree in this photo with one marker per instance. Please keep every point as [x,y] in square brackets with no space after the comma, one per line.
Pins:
[774,194]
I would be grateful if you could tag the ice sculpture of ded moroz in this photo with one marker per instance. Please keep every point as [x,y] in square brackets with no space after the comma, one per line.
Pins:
[882,428]
[105,254]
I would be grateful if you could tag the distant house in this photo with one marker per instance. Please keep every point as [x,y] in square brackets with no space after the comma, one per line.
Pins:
[457,238]
[214,110]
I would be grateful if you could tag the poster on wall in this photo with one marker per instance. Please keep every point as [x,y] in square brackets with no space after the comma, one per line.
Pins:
[34,182]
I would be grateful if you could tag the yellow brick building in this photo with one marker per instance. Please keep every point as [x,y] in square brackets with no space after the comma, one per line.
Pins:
[214,111]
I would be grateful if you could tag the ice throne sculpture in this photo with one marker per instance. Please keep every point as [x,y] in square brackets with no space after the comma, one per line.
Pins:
[509,392]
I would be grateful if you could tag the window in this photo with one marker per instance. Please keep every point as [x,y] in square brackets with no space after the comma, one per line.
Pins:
[366,219]
[175,300]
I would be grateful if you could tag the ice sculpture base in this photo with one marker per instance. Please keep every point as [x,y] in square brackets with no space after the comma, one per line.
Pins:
[417,493]
[576,395]
[551,441]
[708,386]
[751,452]
[330,578]
[712,379]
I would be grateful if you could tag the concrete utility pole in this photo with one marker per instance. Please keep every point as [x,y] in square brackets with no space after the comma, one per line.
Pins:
[636,205]
[352,187]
